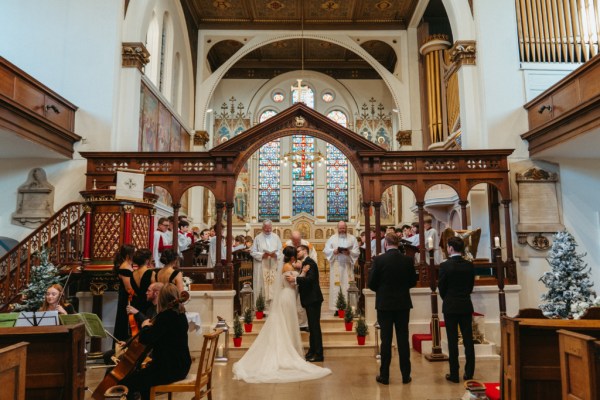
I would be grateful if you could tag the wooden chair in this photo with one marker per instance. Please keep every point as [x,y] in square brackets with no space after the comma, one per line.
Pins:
[200,383]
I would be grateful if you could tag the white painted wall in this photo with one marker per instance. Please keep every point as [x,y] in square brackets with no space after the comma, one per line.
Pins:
[63,44]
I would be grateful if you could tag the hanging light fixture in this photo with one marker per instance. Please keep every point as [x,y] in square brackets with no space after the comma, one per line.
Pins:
[302,157]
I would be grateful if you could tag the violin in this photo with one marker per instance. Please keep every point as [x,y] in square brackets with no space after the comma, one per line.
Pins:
[133,326]
[134,355]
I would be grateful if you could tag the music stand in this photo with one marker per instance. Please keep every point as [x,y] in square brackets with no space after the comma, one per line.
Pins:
[37,318]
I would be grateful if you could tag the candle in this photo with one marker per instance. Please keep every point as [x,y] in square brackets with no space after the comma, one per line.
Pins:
[430,243]
[247,226]
[357,225]
[496,241]
[220,351]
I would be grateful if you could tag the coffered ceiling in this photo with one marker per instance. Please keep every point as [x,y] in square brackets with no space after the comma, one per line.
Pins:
[316,14]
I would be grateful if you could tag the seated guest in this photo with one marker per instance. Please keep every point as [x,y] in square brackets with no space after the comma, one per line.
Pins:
[170,273]
[167,337]
[143,318]
[54,301]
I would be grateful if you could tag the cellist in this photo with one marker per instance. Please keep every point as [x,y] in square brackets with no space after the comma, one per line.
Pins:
[167,337]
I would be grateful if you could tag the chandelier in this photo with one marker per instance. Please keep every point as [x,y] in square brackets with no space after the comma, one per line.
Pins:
[302,159]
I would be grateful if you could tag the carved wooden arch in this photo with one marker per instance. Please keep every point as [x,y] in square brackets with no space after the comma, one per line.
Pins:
[297,120]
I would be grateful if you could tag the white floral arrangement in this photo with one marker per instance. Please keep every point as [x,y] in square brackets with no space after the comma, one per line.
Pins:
[580,308]
[187,281]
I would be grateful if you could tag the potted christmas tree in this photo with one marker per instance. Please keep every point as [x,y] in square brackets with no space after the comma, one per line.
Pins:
[237,331]
[362,330]
[248,320]
[569,280]
[341,303]
[348,318]
[260,306]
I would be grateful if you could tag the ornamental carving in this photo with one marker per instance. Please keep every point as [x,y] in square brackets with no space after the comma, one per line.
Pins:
[135,55]
[537,175]
[200,138]
[404,138]
[463,52]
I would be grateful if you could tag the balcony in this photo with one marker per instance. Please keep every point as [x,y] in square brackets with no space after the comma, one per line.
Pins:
[32,116]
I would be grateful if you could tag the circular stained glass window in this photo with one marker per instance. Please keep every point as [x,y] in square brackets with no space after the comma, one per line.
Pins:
[278,97]
[328,97]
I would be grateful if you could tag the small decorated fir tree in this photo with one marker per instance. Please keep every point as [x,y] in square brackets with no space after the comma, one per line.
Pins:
[569,280]
[248,316]
[348,314]
[340,301]
[41,278]
[260,302]
[237,326]
[362,329]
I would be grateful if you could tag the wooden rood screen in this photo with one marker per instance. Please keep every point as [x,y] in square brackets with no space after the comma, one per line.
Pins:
[377,170]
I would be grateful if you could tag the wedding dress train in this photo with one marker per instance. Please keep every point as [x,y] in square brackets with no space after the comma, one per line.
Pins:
[276,356]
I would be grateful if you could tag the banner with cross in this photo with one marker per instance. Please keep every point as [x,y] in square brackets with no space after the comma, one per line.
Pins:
[130,184]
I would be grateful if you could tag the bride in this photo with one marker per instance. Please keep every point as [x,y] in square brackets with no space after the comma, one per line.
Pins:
[276,356]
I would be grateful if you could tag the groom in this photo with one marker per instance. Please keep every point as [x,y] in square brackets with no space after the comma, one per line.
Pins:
[311,299]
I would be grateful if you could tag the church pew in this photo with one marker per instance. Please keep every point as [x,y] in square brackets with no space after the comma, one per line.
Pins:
[579,365]
[13,361]
[531,357]
[55,360]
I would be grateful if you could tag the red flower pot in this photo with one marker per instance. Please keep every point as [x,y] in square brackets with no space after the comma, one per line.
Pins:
[348,326]
[341,313]
[248,328]
[237,341]
[260,314]
[361,340]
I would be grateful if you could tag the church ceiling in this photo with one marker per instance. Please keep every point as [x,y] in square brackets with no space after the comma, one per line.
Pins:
[284,56]
[317,14]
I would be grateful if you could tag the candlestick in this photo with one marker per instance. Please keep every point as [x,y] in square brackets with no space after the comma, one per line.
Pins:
[430,243]
[496,241]
[220,351]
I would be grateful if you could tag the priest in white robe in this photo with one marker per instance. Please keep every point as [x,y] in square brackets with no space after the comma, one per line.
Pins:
[267,253]
[432,240]
[341,250]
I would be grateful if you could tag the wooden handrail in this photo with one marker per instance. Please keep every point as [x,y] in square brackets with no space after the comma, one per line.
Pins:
[62,234]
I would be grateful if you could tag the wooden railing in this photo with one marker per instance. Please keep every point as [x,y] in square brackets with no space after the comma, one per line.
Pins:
[62,235]
[558,30]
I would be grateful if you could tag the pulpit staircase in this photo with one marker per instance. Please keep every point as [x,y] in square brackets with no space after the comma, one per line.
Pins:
[61,235]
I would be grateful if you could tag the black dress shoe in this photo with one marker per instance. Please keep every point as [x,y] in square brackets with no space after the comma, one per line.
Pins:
[382,380]
[304,328]
[406,380]
[308,355]
[467,377]
[315,359]
[452,378]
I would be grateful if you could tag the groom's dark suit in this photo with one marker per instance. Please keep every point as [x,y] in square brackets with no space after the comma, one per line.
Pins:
[311,299]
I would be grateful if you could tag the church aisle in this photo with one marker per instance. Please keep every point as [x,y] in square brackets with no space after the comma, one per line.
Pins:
[353,378]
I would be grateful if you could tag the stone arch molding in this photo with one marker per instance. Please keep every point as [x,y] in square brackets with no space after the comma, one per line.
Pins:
[207,88]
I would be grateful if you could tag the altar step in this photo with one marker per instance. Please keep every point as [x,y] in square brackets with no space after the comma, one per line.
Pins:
[336,340]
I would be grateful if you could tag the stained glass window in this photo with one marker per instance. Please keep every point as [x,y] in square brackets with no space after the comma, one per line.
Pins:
[328,97]
[308,96]
[266,115]
[339,117]
[337,176]
[268,181]
[337,185]
[303,175]
[278,97]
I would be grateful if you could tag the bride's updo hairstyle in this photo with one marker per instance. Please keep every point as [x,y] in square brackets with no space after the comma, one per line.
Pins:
[288,253]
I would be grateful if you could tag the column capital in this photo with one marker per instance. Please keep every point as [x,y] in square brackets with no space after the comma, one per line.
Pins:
[134,55]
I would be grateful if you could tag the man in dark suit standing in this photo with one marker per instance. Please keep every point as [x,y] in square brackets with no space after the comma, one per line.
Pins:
[391,276]
[311,299]
[456,281]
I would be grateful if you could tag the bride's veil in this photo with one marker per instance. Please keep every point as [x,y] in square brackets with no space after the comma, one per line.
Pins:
[278,283]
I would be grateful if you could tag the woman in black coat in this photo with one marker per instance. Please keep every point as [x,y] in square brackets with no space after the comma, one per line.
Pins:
[167,337]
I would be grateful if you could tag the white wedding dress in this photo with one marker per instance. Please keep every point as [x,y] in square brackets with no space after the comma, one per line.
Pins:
[276,356]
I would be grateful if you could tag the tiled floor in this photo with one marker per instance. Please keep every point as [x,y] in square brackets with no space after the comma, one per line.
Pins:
[352,378]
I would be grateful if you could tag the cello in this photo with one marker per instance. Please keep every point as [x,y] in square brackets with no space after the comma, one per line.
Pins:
[133,326]
[130,359]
